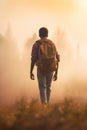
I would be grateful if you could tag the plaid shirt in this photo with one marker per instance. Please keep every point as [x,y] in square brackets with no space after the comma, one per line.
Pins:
[34,53]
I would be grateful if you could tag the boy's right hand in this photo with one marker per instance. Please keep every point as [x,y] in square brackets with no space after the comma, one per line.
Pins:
[32,76]
[55,77]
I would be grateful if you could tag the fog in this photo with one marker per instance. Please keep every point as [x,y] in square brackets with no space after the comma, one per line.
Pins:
[14,70]
[19,24]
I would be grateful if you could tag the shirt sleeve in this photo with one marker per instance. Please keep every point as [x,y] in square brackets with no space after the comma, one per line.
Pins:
[57,56]
[34,53]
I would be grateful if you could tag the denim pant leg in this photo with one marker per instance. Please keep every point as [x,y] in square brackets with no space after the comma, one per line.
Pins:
[48,85]
[42,85]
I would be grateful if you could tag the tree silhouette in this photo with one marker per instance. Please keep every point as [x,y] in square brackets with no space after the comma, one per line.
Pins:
[63,44]
[66,53]
[31,40]
[27,48]
[9,65]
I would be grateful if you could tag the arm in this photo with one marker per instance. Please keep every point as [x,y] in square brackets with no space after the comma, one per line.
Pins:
[31,69]
[33,59]
[56,72]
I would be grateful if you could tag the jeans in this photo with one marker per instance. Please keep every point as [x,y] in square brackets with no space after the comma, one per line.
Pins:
[44,83]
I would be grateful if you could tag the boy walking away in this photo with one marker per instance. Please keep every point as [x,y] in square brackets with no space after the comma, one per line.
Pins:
[46,58]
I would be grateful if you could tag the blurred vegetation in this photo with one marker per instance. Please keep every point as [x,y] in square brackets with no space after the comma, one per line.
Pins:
[24,115]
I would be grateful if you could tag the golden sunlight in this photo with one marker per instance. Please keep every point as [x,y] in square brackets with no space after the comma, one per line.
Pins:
[83,3]
[66,21]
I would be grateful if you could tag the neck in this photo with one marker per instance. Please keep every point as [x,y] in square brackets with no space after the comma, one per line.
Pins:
[43,37]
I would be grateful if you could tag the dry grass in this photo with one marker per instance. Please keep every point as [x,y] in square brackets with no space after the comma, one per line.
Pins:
[67,115]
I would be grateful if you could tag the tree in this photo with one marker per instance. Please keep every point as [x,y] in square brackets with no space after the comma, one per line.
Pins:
[63,44]
[66,52]
[31,40]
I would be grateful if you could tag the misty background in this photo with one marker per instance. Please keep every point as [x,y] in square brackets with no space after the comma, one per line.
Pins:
[14,70]
[66,21]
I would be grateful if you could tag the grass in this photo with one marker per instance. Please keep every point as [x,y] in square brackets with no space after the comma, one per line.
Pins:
[66,115]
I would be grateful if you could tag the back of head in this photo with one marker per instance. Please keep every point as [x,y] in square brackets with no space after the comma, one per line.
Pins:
[43,32]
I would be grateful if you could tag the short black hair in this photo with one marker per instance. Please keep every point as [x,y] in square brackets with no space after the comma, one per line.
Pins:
[43,32]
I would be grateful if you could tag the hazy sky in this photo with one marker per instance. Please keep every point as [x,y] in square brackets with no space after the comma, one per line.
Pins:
[27,16]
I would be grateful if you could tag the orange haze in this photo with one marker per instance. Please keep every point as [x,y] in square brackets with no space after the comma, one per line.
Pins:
[19,21]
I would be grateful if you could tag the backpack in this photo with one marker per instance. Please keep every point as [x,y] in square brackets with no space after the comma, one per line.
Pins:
[47,61]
